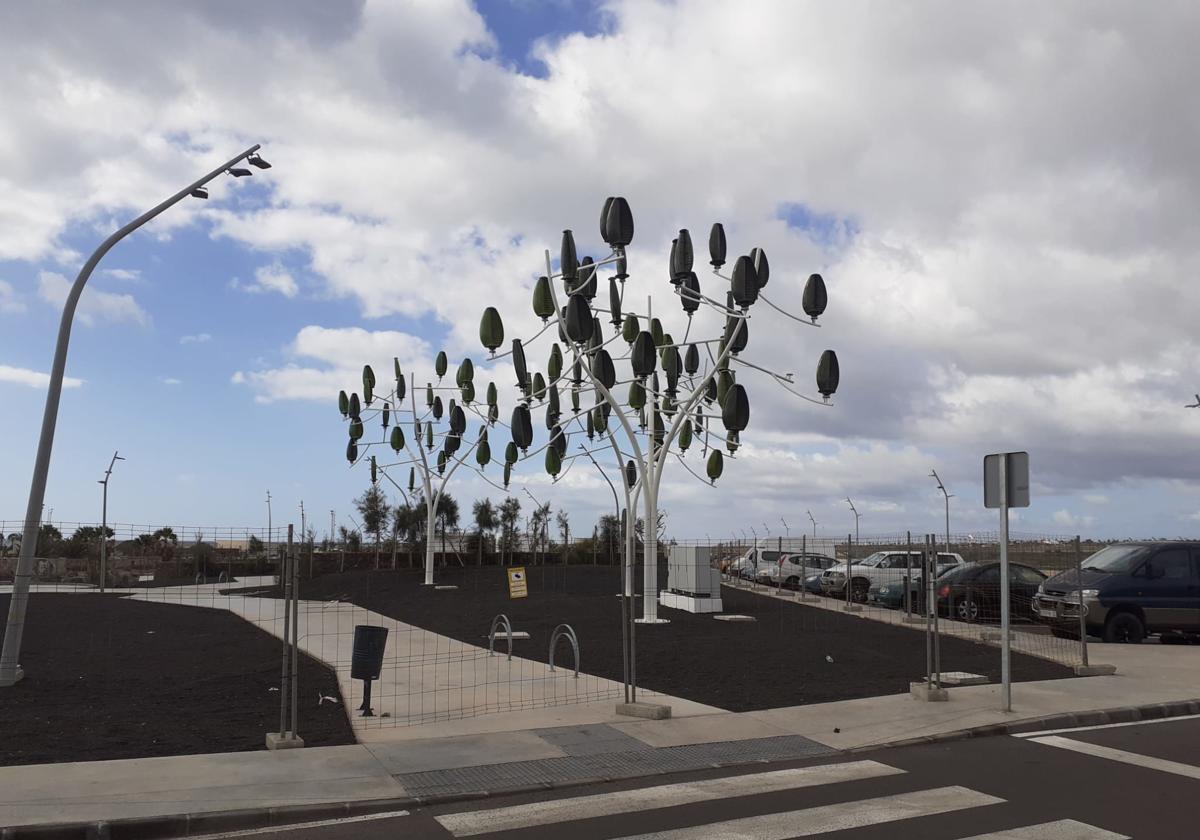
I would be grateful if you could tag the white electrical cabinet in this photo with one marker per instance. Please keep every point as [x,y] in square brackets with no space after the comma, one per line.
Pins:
[692,583]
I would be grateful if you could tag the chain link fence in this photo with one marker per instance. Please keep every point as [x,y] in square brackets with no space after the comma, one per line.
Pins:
[749,624]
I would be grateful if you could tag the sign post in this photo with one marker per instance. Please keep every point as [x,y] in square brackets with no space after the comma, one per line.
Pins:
[1005,485]
[518,586]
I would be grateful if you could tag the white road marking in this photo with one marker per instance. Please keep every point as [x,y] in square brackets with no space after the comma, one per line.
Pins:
[1102,726]
[1123,756]
[280,829]
[467,823]
[1057,830]
[810,821]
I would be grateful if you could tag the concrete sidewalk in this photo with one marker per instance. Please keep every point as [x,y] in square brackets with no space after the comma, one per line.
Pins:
[547,748]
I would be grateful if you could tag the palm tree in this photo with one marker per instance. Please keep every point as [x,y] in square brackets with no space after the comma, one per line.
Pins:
[510,514]
[486,520]
[447,515]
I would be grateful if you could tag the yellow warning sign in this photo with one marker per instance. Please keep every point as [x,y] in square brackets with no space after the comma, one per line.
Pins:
[517,587]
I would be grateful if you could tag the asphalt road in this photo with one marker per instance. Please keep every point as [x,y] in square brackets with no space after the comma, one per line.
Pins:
[1105,783]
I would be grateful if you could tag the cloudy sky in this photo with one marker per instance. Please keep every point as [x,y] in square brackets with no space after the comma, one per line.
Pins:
[1000,196]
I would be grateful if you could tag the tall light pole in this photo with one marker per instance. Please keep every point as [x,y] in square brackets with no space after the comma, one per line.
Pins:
[10,669]
[814,522]
[857,515]
[104,521]
[933,474]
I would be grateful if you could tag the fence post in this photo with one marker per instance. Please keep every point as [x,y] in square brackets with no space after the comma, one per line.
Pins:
[1083,652]
[803,566]
[908,574]
[295,633]
[937,641]
[930,610]
[285,583]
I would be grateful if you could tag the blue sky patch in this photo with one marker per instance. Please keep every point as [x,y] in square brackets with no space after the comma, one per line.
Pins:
[826,229]
[517,24]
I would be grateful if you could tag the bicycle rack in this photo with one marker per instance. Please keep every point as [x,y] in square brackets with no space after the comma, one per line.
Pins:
[560,631]
[501,619]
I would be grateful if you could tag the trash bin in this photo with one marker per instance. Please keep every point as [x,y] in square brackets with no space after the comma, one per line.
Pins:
[366,661]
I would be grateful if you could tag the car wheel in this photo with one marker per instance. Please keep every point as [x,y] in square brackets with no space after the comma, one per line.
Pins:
[1063,633]
[967,607]
[1124,628]
[859,590]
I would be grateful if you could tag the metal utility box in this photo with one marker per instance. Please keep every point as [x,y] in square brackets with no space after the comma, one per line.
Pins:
[692,583]
[689,571]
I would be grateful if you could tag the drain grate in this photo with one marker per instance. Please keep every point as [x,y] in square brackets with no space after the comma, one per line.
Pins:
[575,769]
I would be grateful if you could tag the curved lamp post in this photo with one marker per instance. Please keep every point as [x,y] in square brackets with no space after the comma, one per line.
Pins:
[104,521]
[10,669]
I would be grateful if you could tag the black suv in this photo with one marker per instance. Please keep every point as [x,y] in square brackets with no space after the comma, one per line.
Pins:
[1129,591]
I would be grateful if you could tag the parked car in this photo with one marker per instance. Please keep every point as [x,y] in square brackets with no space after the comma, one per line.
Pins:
[891,595]
[971,592]
[879,568]
[1128,590]
[793,569]
[748,565]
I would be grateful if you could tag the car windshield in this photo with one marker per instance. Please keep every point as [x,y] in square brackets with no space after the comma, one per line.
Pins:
[874,560]
[1116,559]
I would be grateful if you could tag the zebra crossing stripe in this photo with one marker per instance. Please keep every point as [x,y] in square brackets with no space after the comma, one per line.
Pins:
[1057,830]
[825,818]
[468,823]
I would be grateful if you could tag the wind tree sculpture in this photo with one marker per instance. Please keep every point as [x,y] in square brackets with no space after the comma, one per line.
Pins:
[433,424]
[674,392]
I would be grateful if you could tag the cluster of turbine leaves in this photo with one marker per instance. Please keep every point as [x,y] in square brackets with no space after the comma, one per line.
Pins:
[649,348]
[351,408]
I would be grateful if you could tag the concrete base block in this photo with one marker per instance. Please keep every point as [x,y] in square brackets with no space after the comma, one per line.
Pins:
[284,741]
[649,711]
[735,617]
[924,691]
[1095,670]
[442,587]
[14,679]
[676,601]
[851,607]
[956,678]
[652,621]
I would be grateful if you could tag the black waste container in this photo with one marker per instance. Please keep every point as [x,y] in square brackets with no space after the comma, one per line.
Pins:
[367,659]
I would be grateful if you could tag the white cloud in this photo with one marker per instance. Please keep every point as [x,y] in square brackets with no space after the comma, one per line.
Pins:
[1070,520]
[122,273]
[199,338]
[1193,517]
[10,301]
[33,378]
[170,380]
[269,278]
[340,355]
[94,305]
[1019,281]
[1096,499]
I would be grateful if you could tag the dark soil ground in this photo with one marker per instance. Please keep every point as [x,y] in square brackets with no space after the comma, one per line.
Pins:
[791,655]
[106,677]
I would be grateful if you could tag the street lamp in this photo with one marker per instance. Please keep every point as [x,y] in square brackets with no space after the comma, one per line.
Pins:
[857,515]
[10,669]
[933,474]
[814,522]
[104,521]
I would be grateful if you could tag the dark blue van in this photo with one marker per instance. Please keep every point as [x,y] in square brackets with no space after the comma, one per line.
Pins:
[1130,590]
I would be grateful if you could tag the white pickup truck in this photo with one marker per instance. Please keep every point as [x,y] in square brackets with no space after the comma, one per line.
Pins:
[882,567]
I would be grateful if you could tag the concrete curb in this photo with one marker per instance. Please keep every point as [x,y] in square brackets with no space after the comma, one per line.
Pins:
[190,825]
[1065,720]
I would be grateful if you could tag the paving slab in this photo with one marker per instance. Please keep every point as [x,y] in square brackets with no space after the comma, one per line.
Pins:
[593,739]
[700,729]
[463,751]
[103,790]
